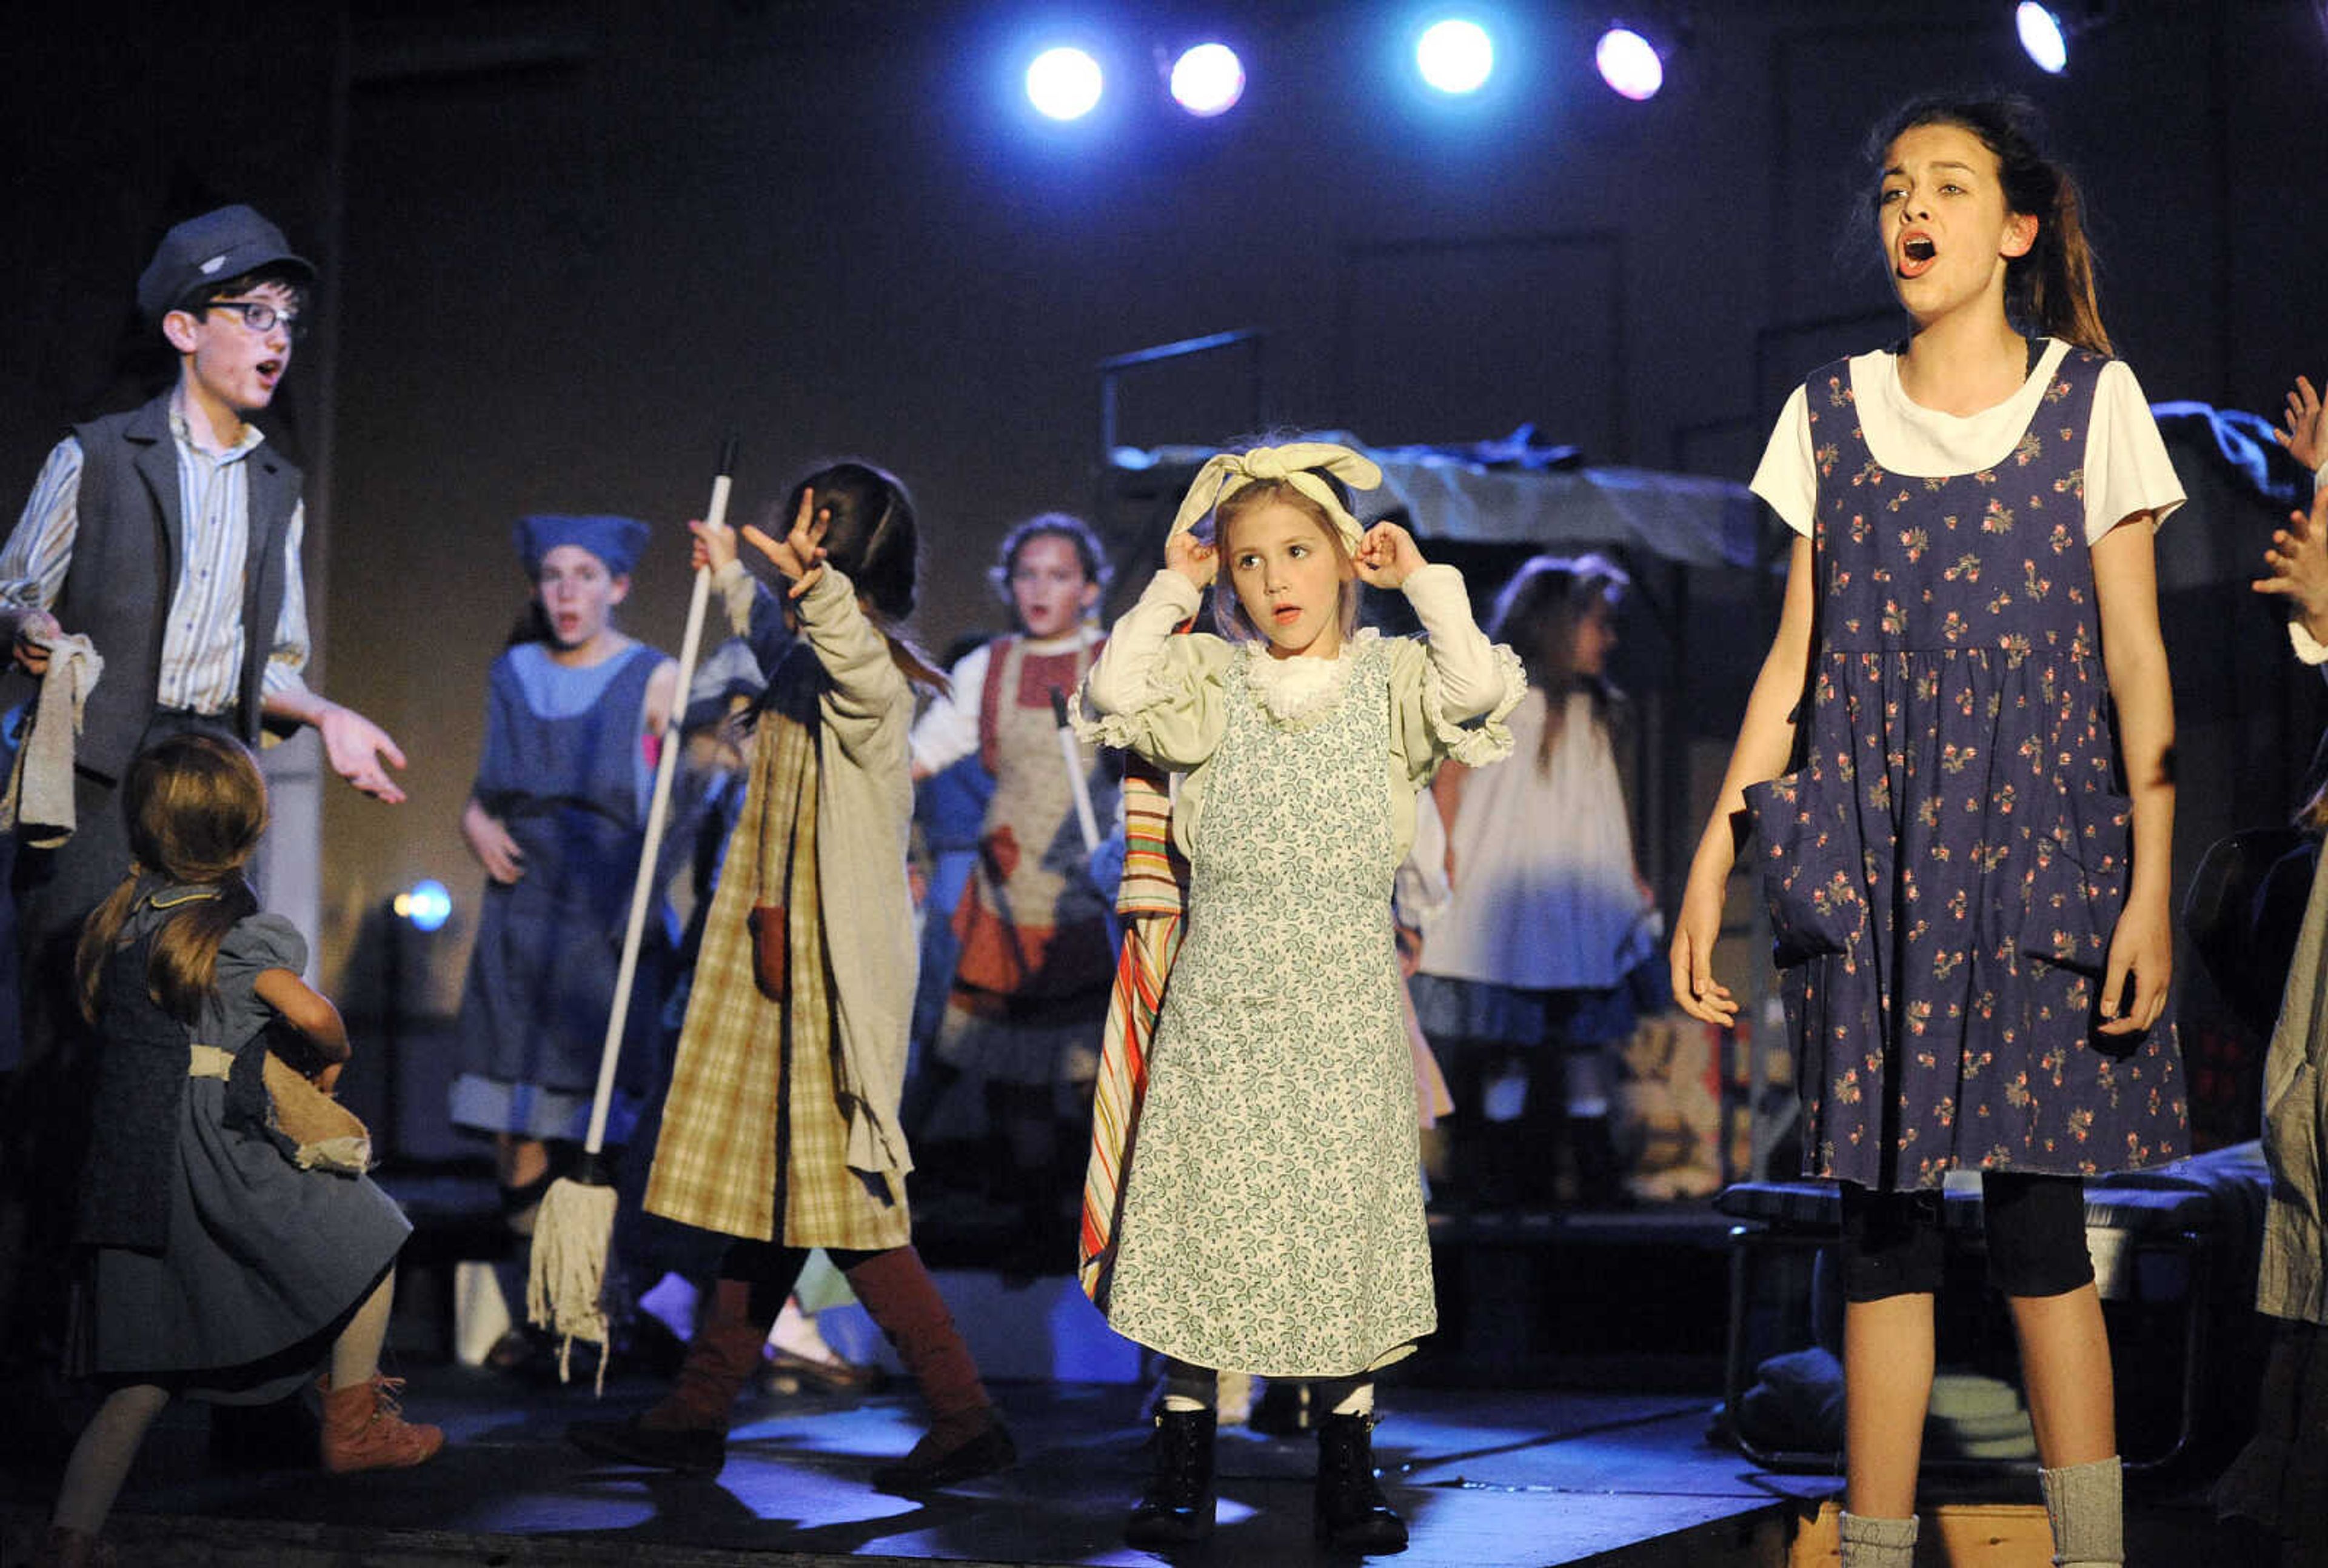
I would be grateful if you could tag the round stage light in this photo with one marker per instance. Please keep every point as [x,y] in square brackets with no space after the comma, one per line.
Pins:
[1064,83]
[1629,63]
[427,906]
[1208,79]
[1455,56]
[2043,36]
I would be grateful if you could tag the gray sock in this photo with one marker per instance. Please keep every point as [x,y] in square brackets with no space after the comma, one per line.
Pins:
[2086,1507]
[1878,1542]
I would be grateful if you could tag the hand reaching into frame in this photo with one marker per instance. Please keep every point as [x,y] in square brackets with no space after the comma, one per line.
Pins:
[2305,436]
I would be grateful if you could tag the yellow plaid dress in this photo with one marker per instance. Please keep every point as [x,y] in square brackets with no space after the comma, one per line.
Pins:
[753,1121]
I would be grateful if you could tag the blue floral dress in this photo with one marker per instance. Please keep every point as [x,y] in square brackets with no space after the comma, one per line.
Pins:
[1946,867]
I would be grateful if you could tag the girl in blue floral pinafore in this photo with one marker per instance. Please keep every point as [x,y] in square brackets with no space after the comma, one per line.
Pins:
[1948,864]
[1966,862]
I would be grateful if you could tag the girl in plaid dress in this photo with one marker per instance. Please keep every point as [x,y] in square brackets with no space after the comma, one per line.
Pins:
[780,1129]
[1971,918]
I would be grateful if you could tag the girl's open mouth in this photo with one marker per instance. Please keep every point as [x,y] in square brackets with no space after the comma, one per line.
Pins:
[1285,614]
[1917,254]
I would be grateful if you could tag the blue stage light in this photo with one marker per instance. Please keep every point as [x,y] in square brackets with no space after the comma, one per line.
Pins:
[1629,64]
[1208,79]
[1064,83]
[427,906]
[2043,36]
[1455,56]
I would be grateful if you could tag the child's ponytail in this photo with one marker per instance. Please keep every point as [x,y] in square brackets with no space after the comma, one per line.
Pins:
[196,807]
[98,933]
[2050,288]
[2058,273]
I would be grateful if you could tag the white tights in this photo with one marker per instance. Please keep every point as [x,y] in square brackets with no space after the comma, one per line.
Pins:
[109,1442]
[1187,1387]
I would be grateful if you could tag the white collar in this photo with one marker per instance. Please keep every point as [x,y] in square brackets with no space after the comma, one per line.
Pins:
[1295,689]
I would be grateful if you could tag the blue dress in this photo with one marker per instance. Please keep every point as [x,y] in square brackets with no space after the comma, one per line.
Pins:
[1945,870]
[564,771]
[263,1261]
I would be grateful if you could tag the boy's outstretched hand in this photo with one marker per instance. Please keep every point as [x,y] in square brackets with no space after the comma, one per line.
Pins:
[800,554]
[1386,556]
[360,752]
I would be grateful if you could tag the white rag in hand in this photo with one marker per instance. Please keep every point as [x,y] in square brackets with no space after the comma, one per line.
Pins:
[39,805]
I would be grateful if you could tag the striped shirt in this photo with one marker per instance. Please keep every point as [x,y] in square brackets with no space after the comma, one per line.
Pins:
[201,646]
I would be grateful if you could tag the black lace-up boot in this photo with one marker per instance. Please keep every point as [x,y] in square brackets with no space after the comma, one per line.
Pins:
[1351,1510]
[1178,1506]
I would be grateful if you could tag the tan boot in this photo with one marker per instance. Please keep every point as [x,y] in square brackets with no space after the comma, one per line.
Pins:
[363,1429]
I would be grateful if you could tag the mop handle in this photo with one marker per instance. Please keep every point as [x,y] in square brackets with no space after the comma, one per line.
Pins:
[1085,818]
[658,809]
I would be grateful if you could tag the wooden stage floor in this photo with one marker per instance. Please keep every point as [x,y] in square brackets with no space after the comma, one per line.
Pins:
[1485,1480]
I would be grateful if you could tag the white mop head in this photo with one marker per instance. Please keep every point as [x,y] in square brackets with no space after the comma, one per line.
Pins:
[571,1235]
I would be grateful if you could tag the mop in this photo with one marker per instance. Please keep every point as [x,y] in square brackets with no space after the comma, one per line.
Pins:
[576,1224]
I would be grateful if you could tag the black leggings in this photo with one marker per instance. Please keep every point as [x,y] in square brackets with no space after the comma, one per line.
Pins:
[772,1269]
[2035,1225]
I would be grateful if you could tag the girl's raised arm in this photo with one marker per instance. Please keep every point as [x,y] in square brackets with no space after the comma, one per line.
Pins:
[1766,737]
[2133,656]
[1152,692]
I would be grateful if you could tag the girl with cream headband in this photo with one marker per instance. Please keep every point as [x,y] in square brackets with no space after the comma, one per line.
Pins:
[1270,1220]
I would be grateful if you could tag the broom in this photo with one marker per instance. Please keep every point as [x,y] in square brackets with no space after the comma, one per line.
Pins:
[576,1224]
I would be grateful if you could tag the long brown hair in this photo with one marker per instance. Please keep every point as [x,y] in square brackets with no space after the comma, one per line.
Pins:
[197,807]
[2050,288]
[1537,615]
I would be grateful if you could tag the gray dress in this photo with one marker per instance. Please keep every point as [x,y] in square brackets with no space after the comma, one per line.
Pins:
[263,1262]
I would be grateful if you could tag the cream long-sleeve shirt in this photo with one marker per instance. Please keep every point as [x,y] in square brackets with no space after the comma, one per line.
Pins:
[1162,696]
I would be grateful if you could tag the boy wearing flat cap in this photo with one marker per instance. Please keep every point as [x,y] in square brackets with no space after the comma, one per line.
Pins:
[169,537]
[165,543]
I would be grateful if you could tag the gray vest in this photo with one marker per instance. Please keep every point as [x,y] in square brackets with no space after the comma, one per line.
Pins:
[125,566]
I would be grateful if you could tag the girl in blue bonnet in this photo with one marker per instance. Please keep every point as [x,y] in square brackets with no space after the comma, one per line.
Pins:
[1968,860]
[556,818]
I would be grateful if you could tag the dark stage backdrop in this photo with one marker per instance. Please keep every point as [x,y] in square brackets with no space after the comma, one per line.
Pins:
[572,246]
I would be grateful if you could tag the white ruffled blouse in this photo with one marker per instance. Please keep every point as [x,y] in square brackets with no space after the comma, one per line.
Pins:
[1162,695]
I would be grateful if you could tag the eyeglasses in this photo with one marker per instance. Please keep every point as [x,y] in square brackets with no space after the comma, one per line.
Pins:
[260,317]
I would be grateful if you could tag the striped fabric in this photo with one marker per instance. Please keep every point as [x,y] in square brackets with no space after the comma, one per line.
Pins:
[202,644]
[1150,901]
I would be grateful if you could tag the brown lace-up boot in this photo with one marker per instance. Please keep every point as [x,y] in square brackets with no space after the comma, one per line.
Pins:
[364,1430]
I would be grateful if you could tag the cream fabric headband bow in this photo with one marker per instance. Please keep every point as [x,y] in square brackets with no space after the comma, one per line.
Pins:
[1223,476]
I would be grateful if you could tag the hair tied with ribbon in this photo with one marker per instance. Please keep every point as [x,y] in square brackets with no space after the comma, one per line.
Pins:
[1300,463]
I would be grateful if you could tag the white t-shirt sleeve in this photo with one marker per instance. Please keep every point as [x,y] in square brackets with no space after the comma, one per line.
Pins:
[1787,475]
[947,730]
[2127,468]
